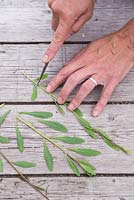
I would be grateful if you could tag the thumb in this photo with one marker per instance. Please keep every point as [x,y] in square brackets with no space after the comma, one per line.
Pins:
[60,35]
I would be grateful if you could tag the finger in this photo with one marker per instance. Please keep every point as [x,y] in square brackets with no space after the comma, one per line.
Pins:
[55,21]
[50,2]
[80,22]
[83,92]
[105,96]
[59,37]
[75,64]
[73,80]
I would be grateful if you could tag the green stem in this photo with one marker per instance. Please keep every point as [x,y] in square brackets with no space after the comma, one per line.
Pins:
[23,177]
[40,86]
[41,134]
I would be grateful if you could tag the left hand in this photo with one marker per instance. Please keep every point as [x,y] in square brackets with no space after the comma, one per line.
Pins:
[106,60]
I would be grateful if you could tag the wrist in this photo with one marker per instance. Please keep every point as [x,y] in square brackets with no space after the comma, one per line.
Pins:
[127,32]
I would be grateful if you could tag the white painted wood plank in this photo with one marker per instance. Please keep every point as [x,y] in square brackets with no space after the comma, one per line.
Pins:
[30,21]
[117,121]
[14,59]
[99,188]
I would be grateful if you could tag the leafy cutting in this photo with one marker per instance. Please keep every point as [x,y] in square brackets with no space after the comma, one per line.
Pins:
[89,129]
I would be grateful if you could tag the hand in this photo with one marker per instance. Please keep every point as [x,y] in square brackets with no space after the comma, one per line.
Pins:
[106,60]
[68,17]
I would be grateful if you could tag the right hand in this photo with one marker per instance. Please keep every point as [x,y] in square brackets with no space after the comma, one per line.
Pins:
[68,17]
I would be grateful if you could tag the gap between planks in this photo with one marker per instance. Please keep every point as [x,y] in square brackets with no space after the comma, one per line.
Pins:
[65,175]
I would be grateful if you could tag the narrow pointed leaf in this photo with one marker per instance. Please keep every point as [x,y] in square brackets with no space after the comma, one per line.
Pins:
[84,162]
[4,140]
[24,164]
[48,157]
[70,140]
[102,134]
[87,167]
[35,93]
[60,109]
[3,116]
[78,112]
[91,133]
[73,166]
[83,121]
[110,143]
[20,141]
[54,125]
[85,152]
[115,146]
[44,115]
[1,165]
[45,76]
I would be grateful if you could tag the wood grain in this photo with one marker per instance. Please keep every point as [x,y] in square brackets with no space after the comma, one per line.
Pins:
[30,21]
[117,121]
[15,59]
[98,188]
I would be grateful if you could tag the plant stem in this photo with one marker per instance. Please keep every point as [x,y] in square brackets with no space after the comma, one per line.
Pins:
[41,134]
[23,177]
[40,86]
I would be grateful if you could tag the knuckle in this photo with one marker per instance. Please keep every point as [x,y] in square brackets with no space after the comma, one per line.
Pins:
[63,72]
[57,38]
[55,7]
[75,29]
[84,87]
[53,82]
[71,79]
[106,94]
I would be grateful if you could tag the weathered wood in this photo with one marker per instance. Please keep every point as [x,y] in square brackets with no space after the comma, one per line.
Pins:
[98,188]
[117,121]
[15,59]
[30,21]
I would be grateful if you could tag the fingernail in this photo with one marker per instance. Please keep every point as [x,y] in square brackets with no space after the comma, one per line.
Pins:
[71,106]
[60,100]
[45,58]
[95,113]
[49,88]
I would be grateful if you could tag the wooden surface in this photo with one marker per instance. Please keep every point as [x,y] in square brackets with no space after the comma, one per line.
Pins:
[25,31]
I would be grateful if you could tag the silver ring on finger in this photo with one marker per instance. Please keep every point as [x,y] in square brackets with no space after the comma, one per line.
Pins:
[94,81]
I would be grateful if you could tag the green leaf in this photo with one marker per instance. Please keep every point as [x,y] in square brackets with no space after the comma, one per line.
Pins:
[83,121]
[111,144]
[54,125]
[4,139]
[91,133]
[85,151]
[78,112]
[24,164]
[115,146]
[3,116]
[102,134]
[73,166]
[69,140]
[38,114]
[109,141]
[2,105]
[45,76]
[35,92]
[1,165]
[48,157]
[87,167]
[60,109]
[84,162]
[20,141]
